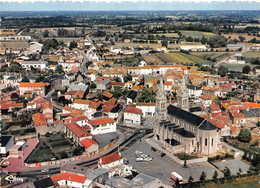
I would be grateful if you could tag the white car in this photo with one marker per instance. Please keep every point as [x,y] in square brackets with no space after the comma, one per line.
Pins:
[148,159]
[144,155]
[45,170]
[139,159]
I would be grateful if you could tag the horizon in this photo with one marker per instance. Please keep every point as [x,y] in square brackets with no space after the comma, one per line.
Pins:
[128,6]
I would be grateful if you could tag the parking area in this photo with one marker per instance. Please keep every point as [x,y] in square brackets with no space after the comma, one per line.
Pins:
[161,167]
[233,165]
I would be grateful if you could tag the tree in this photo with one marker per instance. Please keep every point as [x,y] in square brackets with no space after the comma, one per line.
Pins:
[217,41]
[73,44]
[165,43]
[189,39]
[118,91]
[45,33]
[215,176]
[244,136]
[93,86]
[127,78]
[203,40]
[59,69]
[222,71]
[190,179]
[258,124]
[177,182]
[246,69]
[25,79]
[203,176]
[241,38]
[15,67]
[50,43]
[39,79]
[146,95]
[227,173]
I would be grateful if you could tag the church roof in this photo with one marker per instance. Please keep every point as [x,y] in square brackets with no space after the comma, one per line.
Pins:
[206,125]
[184,133]
[185,115]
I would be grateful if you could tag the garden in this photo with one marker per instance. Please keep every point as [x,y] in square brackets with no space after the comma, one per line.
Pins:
[54,145]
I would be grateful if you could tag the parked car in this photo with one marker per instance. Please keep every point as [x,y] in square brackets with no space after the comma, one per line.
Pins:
[139,159]
[45,170]
[163,154]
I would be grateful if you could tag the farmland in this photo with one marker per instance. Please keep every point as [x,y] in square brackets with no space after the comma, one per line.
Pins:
[251,54]
[218,55]
[236,36]
[236,67]
[197,34]
[181,58]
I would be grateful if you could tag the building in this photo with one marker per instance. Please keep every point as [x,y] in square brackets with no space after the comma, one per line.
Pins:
[148,109]
[181,131]
[91,147]
[6,143]
[114,162]
[193,48]
[38,88]
[35,47]
[102,126]
[35,64]
[133,116]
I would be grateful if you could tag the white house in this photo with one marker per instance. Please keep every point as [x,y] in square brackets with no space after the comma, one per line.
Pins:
[38,88]
[193,48]
[148,109]
[69,180]
[35,64]
[194,91]
[80,104]
[115,163]
[91,147]
[133,116]
[102,126]
[6,143]
[35,47]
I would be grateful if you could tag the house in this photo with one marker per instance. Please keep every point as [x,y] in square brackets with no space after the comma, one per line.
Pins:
[40,123]
[77,133]
[80,104]
[194,91]
[80,120]
[68,180]
[35,64]
[102,126]
[148,109]
[103,84]
[133,116]
[214,108]
[193,48]
[130,96]
[47,111]
[38,88]
[114,162]
[206,100]
[6,143]
[91,147]
[35,47]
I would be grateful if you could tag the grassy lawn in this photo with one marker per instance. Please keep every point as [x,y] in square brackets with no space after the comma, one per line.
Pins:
[251,54]
[41,153]
[183,156]
[246,184]
[236,67]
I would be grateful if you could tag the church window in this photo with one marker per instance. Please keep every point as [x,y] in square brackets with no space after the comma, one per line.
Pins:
[192,142]
[162,105]
[212,141]
[206,141]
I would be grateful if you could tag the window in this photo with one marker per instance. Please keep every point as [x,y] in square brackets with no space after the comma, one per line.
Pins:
[206,141]
[212,141]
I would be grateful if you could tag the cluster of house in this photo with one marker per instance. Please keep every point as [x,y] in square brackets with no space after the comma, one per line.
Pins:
[112,171]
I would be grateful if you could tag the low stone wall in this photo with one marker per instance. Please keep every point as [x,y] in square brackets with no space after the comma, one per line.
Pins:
[25,137]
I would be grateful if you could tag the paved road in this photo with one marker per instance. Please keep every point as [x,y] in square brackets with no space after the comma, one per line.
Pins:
[233,165]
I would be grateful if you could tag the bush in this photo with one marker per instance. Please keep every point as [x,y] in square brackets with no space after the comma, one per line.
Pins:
[244,136]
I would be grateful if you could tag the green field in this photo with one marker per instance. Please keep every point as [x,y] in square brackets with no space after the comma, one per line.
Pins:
[175,35]
[236,67]
[251,54]
[197,34]
[178,58]
[218,55]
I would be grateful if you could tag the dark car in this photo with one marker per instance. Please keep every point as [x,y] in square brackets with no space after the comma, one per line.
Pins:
[163,154]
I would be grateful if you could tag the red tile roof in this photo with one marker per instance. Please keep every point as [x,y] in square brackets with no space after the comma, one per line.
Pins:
[87,142]
[107,94]
[216,123]
[69,177]
[39,120]
[77,130]
[214,107]
[110,158]
[28,84]
[101,121]
[48,105]
[133,110]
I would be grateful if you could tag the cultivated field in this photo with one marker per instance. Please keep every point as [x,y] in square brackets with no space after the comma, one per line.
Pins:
[236,67]
[236,36]
[251,54]
[218,55]
[197,34]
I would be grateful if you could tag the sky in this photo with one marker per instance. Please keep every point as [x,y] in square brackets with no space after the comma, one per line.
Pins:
[94,5]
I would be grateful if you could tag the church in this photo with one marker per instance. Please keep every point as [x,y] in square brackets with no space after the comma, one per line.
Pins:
[179,130]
